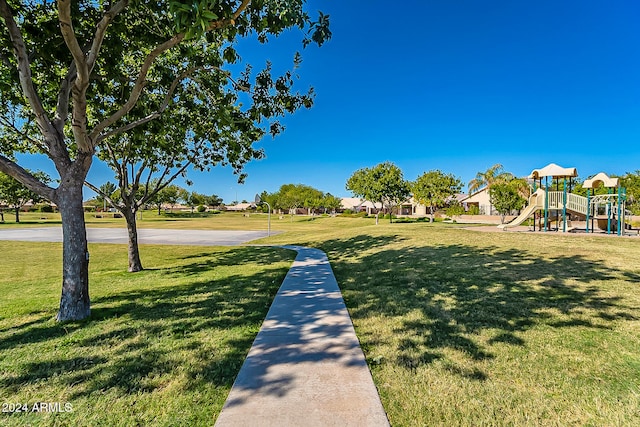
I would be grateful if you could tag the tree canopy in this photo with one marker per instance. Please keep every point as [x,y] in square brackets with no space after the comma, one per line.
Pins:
[506,196]
[290,197]
[631,182]
[433,188]
[383,183]
[495,173]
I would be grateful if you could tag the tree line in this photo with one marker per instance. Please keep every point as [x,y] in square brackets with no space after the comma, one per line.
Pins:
[385,185]
[291,197]
[110,195]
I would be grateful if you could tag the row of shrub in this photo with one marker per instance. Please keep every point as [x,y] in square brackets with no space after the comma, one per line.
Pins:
[42,207]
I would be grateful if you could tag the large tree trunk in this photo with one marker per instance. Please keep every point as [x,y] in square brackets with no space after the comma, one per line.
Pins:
[132,229]
[17,214]
[74,302]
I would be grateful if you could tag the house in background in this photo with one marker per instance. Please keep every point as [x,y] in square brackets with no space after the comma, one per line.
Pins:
[411,207]
[480,199]
[357,205]
[240,207]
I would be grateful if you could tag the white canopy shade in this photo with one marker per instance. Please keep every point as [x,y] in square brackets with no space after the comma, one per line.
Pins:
[554,171]
[601,178]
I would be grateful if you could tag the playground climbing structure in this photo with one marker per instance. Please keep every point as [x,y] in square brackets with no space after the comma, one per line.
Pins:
[607,209]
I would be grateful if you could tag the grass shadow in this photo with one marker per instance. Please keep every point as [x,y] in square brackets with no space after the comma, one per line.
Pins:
[460,291]
[139,341]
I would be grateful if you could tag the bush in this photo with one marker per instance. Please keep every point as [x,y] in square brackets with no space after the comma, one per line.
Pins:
[454,210]
[347,212]
[46,208]
[473,210]
[201,208]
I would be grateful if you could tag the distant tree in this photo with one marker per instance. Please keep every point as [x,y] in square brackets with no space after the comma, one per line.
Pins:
[16,195]
[631,182]
[382,184]
[495,173]
[213,200]
[271,199]
[294,196]
[312,199]
[106,191]
[290,197]
[433,188]
[191,198]
[331,203]
[167,195]
[521,185]
[505,197]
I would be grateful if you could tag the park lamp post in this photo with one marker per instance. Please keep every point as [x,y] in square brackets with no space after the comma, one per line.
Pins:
[259,201]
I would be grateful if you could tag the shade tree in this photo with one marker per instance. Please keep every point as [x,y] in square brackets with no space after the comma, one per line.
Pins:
[433,188]
[506,196]
[383,184]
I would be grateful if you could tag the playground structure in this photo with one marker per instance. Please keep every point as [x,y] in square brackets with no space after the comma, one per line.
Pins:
[606,210]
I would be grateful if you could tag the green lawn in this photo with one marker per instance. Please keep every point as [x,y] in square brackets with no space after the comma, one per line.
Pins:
[460,327]
[162,347]
[463,327]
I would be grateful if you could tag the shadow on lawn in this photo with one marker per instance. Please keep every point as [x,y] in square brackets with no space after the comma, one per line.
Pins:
[460,291]
[136,340]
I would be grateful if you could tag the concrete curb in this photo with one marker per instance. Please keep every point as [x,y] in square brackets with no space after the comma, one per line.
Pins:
[305,367]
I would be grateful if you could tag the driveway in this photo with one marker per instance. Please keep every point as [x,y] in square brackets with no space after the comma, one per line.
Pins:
[145,236]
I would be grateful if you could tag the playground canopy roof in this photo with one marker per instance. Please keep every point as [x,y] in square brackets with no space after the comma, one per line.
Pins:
[601,178]
[554,171]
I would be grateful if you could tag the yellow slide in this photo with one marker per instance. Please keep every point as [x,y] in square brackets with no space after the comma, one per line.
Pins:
[536,201]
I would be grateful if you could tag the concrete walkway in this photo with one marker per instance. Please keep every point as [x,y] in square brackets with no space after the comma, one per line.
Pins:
[305,367]
[145,236]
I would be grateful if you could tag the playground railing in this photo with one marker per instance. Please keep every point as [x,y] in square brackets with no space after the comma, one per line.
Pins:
[577,203]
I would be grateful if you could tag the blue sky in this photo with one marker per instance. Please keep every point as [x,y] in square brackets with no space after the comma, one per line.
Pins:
[455,85]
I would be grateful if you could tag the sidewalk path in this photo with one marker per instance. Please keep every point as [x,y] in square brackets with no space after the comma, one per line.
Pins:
[145,236]
[305,367]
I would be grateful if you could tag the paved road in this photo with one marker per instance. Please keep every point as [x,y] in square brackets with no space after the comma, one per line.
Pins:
[145,235]
[305,367]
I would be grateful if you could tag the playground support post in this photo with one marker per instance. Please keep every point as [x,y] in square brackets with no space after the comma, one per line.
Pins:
[588,206]
[546,204]
[620,215]
[609,212]
[564,206]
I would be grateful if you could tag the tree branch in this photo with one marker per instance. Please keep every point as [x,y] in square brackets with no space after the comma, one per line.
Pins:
[114,159]
[24,71]
[81,83]
[139,84]
[165,103]
[137,87]
[28,180]
[62,107]
[66,29]
[97,191]
[160,187]
[101,30]
[23,134]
